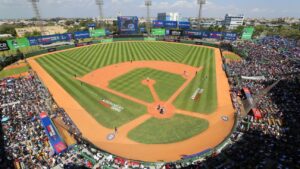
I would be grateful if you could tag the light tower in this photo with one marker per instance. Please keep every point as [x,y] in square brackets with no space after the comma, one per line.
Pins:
[37,15]
[100,4]
[200,3]
[148,4]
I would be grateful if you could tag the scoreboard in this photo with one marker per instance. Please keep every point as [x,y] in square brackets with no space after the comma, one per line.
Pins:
[128,24]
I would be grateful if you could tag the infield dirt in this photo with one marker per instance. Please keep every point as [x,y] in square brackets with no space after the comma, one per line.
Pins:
[217,131]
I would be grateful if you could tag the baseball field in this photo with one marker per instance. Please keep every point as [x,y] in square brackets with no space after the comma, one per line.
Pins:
[147,101]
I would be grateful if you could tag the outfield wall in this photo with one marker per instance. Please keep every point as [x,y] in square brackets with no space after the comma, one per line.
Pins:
[14,56]
[194,158]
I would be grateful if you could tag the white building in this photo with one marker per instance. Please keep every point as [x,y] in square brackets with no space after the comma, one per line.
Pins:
[205,22]
[231,21]
[168,16]
[5,36]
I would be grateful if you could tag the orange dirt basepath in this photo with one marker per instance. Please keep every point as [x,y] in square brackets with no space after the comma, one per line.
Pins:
[16,65]
[101,77]
[122,146]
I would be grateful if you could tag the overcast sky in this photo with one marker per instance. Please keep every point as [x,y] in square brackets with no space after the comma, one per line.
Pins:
[214,8]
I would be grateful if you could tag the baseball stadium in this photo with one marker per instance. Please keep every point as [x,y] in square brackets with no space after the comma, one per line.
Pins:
[165,96]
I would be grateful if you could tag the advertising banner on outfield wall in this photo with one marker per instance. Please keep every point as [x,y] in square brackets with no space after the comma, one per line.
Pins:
[158,24]
[205,34]
[176,32]
[216,35]
[170,24]
[97,32]
[33,41]
[230,36]
[195,34]
[184,25]
[46,40]
[158,31]
[49,39]
[81,35]
[66,37]
[3,46]
[18,43]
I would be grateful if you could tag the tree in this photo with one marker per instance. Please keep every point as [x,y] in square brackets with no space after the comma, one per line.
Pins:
[258,30]
[69,22]
[74,29]
[34,33]
[84,23]
[8,29]
[239,30]
[295,26]
[211,28]
[221,29]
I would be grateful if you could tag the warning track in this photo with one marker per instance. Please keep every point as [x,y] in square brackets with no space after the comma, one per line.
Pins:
[217,131]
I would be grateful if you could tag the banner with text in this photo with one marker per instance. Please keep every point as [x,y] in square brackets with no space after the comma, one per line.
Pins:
[247,34]
[184,25]
[158,31]
[97,33]
[18,43]
[81,34]
[55,140]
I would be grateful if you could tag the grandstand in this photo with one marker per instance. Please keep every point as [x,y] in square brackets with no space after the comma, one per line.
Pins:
[68,98]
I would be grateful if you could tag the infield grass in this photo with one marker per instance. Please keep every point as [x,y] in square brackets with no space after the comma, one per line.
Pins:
[130,84]
[163,131]
[63,66]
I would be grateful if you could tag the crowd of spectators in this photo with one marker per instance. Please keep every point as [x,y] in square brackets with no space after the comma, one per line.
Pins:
[273,140]
[23,140]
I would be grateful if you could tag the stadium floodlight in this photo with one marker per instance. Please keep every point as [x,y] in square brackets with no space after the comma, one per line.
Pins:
[37,15]
[100,4]
[200,3]
[148,4]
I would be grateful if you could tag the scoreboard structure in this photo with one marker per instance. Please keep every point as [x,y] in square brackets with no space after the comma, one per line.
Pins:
[128,24]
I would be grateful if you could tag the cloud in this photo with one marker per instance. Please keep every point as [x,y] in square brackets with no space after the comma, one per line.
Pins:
[88,8]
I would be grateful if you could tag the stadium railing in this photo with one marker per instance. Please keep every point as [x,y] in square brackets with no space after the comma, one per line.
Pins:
[129,39]
[190,160]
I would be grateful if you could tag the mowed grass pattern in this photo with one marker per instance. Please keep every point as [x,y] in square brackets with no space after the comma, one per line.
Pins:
[130,84]
[15,71]
[232,57]
[205,79]
[63,71]
[63,66]
[162,131]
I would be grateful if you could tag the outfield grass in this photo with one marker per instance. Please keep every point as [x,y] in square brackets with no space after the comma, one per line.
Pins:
[62,67]
[88,97]
[232,57]
[205,79]
[163,131]
[130,84]
[15,71]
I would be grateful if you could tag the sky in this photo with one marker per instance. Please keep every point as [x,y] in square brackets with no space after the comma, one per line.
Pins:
[10,9]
